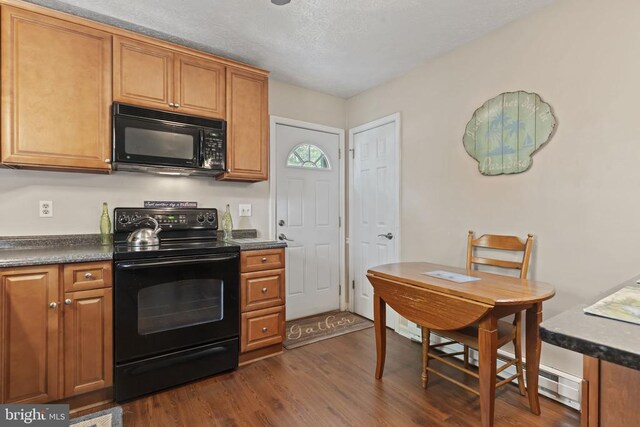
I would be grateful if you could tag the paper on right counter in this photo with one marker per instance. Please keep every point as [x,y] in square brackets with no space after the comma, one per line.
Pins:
[622,305]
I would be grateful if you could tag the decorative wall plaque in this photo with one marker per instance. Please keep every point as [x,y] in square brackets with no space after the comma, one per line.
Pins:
[507,130]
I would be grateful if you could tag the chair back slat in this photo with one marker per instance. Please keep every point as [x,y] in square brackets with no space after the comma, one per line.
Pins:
[502,243]
[503,263]
[506,243]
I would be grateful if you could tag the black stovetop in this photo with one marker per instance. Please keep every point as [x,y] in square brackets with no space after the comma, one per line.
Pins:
[121,251]
[185,232]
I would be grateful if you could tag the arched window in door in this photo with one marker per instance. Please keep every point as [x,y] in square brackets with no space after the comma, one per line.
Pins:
[308,156]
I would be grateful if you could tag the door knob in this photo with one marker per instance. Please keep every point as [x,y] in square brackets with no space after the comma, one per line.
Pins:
[281,222]
[283,237]
[387,236]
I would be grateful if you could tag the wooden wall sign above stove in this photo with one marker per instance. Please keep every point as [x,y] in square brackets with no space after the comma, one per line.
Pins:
[506,131]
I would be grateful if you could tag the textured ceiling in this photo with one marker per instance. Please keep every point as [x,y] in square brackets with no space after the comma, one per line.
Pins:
[340,47]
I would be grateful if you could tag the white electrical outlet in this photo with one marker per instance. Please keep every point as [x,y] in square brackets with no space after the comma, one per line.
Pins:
[245,210]
[46,209]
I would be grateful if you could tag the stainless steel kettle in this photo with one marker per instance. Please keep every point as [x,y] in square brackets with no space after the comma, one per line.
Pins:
[143,237]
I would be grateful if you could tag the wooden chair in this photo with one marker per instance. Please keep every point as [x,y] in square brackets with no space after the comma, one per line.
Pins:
[468,337]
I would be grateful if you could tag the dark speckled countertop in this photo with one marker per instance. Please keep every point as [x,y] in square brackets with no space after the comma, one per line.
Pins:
[607,339]
[40,250]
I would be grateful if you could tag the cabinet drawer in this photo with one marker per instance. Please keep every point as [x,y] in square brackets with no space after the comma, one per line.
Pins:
[87,275]
[262,289]
[267,259]
[262,328]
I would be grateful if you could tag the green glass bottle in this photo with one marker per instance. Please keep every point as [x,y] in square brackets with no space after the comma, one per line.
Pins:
[227,224]
[105,225]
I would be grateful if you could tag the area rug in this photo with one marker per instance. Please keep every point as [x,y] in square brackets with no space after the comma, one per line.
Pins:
[323,326]
[111,417]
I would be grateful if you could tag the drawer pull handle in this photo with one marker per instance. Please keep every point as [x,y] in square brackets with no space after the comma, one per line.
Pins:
[264,330]
[264,259]
[88,276]
[264,290]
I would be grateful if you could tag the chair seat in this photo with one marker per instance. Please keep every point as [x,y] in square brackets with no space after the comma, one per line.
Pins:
[469,335]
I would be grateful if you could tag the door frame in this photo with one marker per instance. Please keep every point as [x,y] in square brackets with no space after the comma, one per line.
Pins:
[277,120]
[392,118]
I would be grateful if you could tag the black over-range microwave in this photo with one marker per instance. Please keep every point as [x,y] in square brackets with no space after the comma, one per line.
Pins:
[147,140]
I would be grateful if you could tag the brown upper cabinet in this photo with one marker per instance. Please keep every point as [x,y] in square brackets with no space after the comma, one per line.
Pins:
[56,92]
[148,75]
[61,73]
[247,126]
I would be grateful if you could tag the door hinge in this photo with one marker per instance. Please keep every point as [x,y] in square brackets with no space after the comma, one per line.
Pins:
[353,152]
[339,221]
[339,153]
[339,290]
[353,284]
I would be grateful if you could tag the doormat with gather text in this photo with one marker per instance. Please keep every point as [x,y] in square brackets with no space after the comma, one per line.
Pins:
[323,326]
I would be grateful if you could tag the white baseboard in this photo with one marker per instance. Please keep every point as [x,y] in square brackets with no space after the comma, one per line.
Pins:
[555,384]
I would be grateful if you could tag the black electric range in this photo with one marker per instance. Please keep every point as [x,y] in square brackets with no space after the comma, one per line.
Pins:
[176,305]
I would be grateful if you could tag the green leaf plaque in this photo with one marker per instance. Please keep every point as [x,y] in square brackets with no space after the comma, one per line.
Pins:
[507,130]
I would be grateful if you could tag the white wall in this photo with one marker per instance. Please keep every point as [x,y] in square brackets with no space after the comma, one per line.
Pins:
[294,102]
[581,196]
[78,197]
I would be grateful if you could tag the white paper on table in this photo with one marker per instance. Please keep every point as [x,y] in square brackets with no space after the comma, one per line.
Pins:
[453,277]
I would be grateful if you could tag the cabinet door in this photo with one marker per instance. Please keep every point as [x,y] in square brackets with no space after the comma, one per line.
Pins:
[88,351]
[56,92]
[247,126]
[200,88]
[29,335]
[142,74]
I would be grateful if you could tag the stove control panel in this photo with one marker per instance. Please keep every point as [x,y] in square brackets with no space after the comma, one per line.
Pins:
[129,219]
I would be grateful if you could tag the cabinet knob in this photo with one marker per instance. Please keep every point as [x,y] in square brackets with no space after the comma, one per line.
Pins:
[68,301]
[53,305]
[176,105]
[228,170]
[107,160]
[265,329]
[171,104]
[264,290]
[264,259]
[88,276]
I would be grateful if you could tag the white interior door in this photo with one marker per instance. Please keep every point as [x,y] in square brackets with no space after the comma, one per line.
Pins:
[374,202]
[307,213]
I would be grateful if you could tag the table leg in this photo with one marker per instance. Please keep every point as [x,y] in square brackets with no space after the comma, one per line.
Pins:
[487,351]
[380,321]
[534,318]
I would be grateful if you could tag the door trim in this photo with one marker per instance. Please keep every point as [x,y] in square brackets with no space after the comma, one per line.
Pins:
[393,118]
[277,120]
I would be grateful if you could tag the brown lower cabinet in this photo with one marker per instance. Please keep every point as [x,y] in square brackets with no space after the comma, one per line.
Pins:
[609,394]
[54,344]
[262,303]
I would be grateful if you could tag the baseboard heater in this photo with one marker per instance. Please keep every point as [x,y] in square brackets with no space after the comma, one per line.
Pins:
[552,383]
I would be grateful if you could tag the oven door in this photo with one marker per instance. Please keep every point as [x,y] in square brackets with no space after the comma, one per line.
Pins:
[172,303]
[156,143]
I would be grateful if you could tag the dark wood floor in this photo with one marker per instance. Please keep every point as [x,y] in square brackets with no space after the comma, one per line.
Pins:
[331,383]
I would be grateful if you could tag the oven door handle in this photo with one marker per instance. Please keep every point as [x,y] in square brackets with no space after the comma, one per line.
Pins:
[177,262]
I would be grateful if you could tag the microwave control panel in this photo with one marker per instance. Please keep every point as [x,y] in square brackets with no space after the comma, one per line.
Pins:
[213,149]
